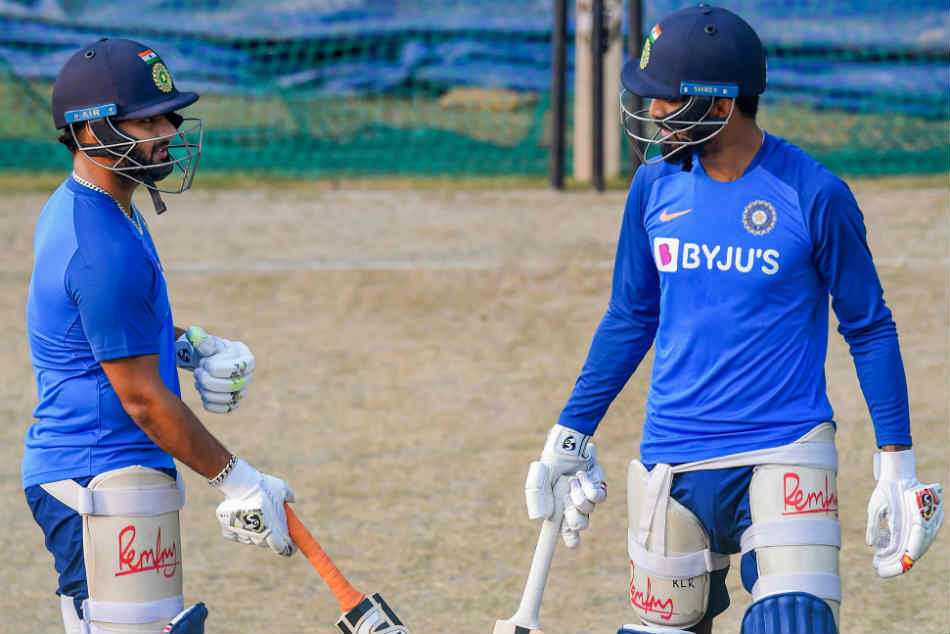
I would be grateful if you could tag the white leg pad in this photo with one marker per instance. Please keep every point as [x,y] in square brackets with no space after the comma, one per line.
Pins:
[795,530]
[670,560]
[131,548]
[71,621]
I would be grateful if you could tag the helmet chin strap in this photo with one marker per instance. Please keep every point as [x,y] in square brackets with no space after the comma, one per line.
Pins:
[157,201]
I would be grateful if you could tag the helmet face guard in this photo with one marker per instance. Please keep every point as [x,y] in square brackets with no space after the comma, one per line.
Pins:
[184,149]
[688,126]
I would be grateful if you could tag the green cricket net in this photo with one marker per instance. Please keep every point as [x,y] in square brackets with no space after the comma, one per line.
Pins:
[453,87]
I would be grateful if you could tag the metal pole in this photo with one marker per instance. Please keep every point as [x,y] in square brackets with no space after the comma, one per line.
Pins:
[558,102]
[597,42]
[634,43]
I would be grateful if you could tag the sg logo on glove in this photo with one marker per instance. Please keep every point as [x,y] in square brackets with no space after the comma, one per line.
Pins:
[928,501]
[184,357]
[252,521]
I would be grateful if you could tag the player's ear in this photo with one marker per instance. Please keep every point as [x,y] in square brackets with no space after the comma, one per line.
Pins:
[721,108]
[84,133]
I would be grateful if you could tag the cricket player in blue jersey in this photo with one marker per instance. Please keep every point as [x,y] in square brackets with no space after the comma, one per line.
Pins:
[731,244]
[98,468]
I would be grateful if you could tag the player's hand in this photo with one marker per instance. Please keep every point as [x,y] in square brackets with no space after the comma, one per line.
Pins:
[567,452]
[904,516]
[222,368]
[253,509]
[587,488]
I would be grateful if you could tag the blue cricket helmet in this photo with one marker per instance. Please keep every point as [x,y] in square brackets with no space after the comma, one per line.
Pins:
[698,45]
[693,55]
[121,78]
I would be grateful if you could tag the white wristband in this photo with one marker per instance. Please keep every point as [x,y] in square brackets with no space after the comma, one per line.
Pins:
[895,465]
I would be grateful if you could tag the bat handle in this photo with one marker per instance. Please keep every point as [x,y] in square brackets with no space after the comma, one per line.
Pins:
[527,614]
[345,594]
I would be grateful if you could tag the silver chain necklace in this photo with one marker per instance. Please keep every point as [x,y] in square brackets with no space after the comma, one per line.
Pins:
[130,214]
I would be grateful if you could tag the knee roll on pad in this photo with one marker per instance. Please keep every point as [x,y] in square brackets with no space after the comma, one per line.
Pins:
[790,613]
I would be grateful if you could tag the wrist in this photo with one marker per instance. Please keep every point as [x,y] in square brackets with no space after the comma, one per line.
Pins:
[238,480]
[895,465]
[564,442]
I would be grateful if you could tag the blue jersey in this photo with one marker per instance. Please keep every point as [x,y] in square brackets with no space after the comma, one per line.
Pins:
[97,293]
[730,282]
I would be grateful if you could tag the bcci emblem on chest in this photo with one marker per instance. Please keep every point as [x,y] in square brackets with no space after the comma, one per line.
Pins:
[758,217]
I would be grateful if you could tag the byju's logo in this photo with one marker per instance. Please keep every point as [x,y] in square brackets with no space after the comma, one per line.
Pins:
[666,253]
[670,256]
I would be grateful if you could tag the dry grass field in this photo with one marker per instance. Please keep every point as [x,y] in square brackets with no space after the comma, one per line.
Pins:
[413,347]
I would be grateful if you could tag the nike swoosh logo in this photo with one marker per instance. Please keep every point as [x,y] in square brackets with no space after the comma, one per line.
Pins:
[664,217]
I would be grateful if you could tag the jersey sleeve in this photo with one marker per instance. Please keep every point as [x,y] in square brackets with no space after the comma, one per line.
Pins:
[114,288]
[626,331]
[844,261]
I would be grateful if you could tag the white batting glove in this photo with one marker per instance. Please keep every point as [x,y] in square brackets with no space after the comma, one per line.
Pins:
[587,488]
[223,368]
[253,509]
[904,516]
[567,452]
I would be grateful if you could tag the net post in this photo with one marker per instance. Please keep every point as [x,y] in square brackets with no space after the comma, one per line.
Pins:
[558,92]
[634,44]
[597,45]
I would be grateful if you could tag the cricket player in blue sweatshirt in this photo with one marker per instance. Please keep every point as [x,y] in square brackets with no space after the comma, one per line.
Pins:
[99,471]
[732,242]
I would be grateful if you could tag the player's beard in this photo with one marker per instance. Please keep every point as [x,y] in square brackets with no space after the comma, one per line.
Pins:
[150,170]
[683,156]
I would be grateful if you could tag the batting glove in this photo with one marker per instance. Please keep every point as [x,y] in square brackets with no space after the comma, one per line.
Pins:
[587,488]
[253,509]
[222,368]
[904,515]
[569,453]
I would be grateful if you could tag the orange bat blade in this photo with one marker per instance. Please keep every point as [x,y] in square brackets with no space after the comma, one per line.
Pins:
[347,595]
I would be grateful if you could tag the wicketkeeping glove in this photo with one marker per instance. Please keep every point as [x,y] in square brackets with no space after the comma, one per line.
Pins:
[222,368]
[253,509]
[567,452]
[904,515]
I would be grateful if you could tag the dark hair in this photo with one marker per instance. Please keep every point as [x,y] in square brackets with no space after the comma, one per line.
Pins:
[66,138]
[748,106]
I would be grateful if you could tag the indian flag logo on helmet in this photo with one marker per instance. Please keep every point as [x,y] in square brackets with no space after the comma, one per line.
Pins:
[652,37]
[645,55]
[148,56]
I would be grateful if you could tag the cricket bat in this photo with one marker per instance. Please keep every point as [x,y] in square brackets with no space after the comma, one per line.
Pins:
[525,620]
[362,614]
